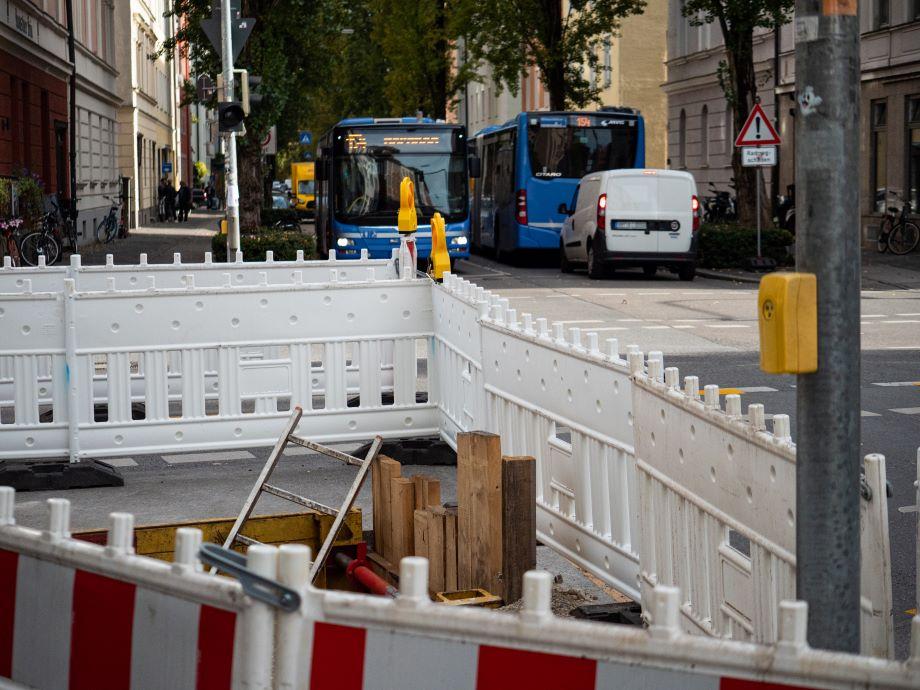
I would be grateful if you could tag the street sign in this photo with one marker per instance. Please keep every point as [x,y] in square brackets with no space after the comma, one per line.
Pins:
[240,28]
[757,130]
[306,139]
[270,142]
[167,167]
[758,156]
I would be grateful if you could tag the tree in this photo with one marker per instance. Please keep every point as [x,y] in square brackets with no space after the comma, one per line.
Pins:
[511,35]
[738,19]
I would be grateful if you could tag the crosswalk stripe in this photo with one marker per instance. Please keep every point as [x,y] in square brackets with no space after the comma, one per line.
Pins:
[898,383]
[906,410]
[866,413]
[218,456]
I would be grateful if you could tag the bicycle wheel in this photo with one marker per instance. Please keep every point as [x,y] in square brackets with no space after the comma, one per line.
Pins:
[904,238]
[884,230]
[111,229]
[102,230]
[71,229]
[37,244]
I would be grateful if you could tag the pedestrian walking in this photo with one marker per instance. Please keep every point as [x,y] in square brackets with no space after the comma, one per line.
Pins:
[161,200]
[184,200]
[170,201]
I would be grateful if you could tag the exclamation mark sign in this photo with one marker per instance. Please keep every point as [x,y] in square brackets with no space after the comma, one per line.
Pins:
[757,126]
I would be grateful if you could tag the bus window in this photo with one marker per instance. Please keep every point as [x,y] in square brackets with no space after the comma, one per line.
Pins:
[573,152]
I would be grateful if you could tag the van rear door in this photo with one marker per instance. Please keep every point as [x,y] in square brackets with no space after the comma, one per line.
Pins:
[675,195]
[632,204]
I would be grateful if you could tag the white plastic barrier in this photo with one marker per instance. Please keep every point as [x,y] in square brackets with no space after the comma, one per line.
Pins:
[351,353]
[717,496]
[85,616]
[78,615]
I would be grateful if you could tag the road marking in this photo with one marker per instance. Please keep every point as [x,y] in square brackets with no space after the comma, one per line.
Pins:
[905,410]
[901,321]
[628,320]
[610,328]
[728,325]
[902,347]
[866,413]
[916,314]
[685,325]
[119,462]
[655,328]
[689,320]
[219,456]
[873,316]
[898,383]
[742,390]
[655,294]
[580,321]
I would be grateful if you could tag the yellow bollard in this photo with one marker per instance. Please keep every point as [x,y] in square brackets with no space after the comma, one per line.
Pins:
[223,226]
[440,259]
[407,221]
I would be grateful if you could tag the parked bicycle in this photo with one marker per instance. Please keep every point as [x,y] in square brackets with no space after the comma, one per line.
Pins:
[49,241]
[897,232]
[111,226]
[720,207]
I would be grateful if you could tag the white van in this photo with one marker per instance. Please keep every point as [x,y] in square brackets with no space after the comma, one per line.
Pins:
[623,218]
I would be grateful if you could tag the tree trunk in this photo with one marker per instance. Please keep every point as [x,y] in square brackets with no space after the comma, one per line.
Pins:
[249,174]
[553,67]
[740,55]
[440,95]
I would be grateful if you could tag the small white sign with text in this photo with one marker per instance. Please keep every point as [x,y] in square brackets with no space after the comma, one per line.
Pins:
[758,156]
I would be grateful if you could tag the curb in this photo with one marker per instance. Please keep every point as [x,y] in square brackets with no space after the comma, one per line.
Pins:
[716,275]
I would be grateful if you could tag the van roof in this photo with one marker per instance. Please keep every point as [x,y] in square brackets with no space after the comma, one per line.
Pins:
[639,172]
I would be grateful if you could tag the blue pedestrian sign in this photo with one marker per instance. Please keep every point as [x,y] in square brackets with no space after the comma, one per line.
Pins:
[306,139]
[167,167]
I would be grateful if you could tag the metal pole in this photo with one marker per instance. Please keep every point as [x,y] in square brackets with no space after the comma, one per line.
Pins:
[232,195]
[758,211]
[72,145]
[827,244]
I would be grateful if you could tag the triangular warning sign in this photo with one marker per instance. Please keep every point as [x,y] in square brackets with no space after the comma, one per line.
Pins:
[758,130]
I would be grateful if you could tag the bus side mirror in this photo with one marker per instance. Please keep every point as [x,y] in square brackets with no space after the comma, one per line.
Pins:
[319,169]
[475,167]
[563,209]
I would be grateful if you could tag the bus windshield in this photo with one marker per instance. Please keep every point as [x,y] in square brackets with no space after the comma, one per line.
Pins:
[572,151]
[370,165]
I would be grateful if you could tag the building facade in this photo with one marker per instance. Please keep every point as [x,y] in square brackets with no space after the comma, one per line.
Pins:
[151,139]
[700,125]
[34,100]
[632,66]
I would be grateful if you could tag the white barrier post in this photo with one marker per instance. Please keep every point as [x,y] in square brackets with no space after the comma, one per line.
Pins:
[73,378]
[258,627]
[291,648]
[413,581]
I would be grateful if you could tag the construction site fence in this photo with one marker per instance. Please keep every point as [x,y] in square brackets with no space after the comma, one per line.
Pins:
[82,615]
[639,480]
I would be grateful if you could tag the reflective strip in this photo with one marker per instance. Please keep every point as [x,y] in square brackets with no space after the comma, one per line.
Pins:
[8,562]
[103,617]
[546,225]
[41,634]
[611,675]
[409,662]
[216,648]
[338,657]
[164,648]
[501,668]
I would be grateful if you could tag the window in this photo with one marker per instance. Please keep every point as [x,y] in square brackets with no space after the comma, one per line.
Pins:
[913,153]
[914,12]
[608,77]
[878,186]
[682,140]
[704,136]
[882,14]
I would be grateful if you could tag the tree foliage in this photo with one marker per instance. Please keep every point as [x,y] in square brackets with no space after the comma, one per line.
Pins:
[738,20]
[511,35]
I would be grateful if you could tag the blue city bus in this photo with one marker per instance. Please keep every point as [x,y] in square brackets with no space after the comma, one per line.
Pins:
[359,168]
[532,164]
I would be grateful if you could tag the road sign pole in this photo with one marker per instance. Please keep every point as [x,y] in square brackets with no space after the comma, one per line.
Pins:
[827,244]
[758,211]
[232,195]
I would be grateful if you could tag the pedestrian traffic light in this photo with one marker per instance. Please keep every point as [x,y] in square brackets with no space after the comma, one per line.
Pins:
[230,116]
[250,85]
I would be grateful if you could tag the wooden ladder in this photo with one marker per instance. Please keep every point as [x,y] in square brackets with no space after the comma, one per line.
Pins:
[262,485]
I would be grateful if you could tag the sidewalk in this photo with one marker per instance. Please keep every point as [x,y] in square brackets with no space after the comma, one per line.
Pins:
[160,241]
[879,272]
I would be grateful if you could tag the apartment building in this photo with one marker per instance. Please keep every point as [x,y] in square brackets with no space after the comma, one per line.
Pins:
[34,100]
[700,125]
[632,69]
[150,133]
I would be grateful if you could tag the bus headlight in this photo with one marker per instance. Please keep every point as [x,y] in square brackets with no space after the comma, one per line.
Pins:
[459,241]
[345,242]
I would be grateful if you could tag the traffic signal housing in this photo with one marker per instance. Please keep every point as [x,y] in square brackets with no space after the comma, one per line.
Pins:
[230,116]
[250,85]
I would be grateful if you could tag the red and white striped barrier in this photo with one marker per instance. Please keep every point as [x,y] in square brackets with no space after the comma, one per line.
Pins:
[78,615]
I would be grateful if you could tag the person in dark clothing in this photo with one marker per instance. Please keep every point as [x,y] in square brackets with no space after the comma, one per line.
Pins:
[170,201]
[184,199]
[161,200]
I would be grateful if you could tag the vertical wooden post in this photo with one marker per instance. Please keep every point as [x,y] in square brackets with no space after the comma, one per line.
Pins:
[384,470]
[519,523]
[479,523]
[402,516]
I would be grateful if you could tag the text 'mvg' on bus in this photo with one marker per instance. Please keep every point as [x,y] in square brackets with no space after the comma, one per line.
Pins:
[532,164]
[361,164]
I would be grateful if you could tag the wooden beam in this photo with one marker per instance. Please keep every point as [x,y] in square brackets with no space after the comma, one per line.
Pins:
[479,519]
[402,518]
[385,469]
[436,548]
[427,491]
[519,523]
[450,550]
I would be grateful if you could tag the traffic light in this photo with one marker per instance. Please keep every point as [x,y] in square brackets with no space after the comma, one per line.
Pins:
[250,85]
[230,116]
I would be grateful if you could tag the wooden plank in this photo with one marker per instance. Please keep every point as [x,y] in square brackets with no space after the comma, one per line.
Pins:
[519,523]
[450,550]
[427,491]
[436,542]
[420,522]
[479,519]
[402,518]
[383,530]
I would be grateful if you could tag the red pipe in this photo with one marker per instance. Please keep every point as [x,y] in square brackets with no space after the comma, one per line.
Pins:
[357,571]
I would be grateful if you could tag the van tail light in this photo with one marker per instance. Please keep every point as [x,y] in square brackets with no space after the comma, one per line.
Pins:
[522,206]
[602,212]
[697,213]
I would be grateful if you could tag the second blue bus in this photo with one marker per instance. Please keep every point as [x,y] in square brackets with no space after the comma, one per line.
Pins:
[359,169]
[532,164]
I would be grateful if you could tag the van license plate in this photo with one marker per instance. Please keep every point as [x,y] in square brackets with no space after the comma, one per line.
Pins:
[630,225]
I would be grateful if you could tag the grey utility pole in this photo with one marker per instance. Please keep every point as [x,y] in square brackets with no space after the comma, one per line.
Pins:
[233,193]
[827,244]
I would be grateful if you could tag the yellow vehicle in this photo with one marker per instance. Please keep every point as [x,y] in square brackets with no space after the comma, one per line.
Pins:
[303,187]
